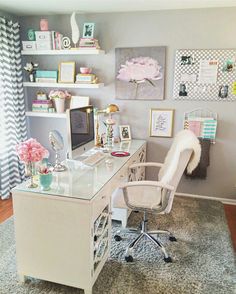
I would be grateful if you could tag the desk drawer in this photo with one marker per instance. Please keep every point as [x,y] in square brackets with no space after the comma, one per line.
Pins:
[101,200]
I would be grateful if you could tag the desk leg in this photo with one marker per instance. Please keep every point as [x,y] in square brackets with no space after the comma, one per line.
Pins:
[22,278]
[88,291]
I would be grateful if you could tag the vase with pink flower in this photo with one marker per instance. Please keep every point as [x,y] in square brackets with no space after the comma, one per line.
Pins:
[59,97]
[30,152]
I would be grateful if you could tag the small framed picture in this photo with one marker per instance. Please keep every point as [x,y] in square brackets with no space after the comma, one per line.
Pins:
[88,30]
[161,122]
[66,72]
[125,134]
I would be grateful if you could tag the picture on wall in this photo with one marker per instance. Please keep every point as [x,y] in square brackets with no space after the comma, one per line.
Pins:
[161,122]
[140,73]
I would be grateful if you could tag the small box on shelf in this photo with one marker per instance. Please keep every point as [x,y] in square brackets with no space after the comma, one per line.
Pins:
[43,40]
[29,45]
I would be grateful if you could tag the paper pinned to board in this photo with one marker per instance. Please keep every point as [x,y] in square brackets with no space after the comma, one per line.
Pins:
[234,88]
[185,77]
[208,70]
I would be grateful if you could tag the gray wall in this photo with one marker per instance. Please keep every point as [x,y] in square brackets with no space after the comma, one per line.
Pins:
[203,28]
[8,15]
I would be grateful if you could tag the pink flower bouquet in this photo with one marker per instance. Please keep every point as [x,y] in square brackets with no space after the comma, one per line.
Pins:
[31,151]
[58,94]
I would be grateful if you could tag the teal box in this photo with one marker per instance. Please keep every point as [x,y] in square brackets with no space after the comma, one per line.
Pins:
[46,74]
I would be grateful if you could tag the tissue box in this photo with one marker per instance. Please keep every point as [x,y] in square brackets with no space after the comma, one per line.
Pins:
[28,45]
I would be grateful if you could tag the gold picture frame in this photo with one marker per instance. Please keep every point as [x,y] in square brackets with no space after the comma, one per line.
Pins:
[66,72]
[161,122]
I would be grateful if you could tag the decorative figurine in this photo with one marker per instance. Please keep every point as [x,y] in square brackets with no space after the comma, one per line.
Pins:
[44,24]
[75,30]
[31,69]
[66,43]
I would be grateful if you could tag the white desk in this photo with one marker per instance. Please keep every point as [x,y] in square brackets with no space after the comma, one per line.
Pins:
[63,235]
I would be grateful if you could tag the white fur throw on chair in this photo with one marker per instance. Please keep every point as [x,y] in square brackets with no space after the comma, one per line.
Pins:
[183,140]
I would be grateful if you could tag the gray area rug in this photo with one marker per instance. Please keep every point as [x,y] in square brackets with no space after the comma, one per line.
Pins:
[204,261]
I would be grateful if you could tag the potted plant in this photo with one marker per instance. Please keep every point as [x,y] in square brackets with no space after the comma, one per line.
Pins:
[45,178]
[31,69]
[59,98]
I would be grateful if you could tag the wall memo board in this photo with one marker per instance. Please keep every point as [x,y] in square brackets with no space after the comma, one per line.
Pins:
[205,75]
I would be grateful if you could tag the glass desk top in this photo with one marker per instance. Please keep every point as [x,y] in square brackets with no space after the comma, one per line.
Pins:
[82,181]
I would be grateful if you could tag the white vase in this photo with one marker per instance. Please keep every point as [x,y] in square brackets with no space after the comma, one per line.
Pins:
[59,105]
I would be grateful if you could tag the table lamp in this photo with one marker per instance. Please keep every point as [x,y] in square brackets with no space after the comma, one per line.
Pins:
[111,108]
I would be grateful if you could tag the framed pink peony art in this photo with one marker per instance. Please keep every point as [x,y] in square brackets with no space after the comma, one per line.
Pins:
[140,73]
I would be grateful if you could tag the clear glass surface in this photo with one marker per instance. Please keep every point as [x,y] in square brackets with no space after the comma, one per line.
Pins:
[82,181]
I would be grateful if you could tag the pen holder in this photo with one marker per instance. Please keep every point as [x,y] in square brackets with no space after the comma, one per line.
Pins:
[45,181]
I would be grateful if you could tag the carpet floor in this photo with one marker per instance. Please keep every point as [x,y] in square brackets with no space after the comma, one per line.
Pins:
[204,260]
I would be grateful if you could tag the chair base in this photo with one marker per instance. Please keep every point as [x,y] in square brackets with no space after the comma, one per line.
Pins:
[143,232]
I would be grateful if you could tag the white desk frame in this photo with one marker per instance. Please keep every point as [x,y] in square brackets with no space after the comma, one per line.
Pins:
[56,232]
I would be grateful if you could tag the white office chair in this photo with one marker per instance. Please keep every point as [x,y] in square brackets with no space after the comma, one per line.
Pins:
[157,196]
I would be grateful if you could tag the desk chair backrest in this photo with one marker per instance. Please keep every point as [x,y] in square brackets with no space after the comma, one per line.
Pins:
[184,153]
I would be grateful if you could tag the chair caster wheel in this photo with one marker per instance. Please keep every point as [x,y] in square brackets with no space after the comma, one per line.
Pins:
[172,239]
[129,258]
[117,238]
[168,259]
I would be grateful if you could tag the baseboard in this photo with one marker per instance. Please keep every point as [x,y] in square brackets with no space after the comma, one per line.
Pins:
[223,200]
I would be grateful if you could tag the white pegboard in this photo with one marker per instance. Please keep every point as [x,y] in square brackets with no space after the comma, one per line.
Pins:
[204,92]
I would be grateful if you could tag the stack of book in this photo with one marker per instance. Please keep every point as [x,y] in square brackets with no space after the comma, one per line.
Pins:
[41,105]
[86,79]
[56,40]
[46,76]
[88,43]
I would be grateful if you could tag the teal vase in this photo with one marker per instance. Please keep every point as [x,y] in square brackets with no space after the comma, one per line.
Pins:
[45,181]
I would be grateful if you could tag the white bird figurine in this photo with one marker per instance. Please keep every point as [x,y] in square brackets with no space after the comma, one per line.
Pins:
[74,29]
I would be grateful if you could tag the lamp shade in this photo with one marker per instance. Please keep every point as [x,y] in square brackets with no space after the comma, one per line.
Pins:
[112,108]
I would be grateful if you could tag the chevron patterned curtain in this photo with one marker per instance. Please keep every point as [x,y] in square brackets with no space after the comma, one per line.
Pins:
[12,107]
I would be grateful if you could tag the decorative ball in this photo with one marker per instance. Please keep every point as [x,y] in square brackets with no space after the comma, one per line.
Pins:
[31,35]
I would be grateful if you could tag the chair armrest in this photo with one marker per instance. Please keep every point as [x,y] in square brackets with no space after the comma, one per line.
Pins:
[139,164]
[148,183]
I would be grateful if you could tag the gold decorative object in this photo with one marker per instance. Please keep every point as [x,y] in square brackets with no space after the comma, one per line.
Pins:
[111,108]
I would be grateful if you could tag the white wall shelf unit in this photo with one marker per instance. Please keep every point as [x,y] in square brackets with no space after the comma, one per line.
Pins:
[45,114]
[64,52]
[63,85]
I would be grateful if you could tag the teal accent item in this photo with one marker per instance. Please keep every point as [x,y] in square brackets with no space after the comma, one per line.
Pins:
[31,35]
[46,74]
[45,181]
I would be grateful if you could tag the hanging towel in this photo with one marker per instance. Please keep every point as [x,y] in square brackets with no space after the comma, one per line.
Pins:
[201,170]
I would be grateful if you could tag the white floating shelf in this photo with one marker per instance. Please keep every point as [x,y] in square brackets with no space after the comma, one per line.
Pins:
[63,85]
[64,52]
[45,114]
